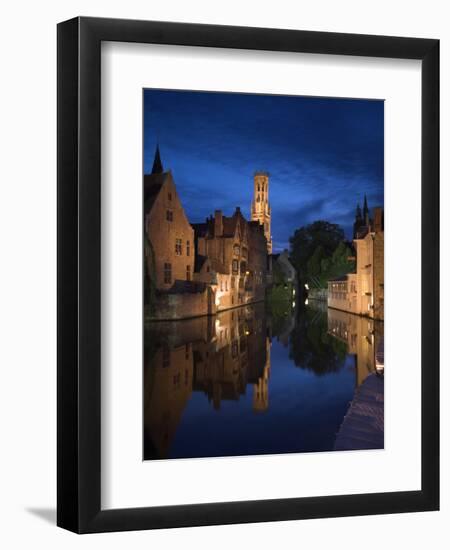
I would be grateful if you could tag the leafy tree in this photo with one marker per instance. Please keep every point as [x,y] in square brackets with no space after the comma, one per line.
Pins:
[307,239]
[314,263]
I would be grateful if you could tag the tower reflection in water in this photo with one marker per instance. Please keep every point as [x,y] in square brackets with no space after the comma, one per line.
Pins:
[209,379]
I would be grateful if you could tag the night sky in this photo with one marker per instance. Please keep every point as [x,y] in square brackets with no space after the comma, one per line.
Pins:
[322,154]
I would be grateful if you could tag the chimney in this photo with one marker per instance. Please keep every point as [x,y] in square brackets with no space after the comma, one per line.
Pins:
[378,219]
[218,223]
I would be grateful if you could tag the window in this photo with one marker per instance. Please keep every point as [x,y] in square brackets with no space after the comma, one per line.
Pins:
[178,247]
[244,252]
[226,286]
[188,273]
[169,215]
[235,266]
[232,283]
[188,248]
[167,273]
[169,196]
[236,250]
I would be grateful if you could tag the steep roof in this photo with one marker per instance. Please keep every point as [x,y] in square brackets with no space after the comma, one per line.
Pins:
[157,164]
[153,184]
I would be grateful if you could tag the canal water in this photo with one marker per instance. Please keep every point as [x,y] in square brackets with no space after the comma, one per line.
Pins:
[249,381]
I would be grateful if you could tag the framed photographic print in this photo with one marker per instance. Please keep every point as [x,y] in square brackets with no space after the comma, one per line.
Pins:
[248,288]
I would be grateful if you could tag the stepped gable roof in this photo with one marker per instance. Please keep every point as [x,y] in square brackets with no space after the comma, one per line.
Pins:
[229,224]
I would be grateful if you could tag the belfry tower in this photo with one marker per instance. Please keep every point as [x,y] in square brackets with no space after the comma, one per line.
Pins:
[260,205]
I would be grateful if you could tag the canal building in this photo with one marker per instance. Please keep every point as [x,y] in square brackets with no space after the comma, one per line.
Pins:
[231,255]
[362,292]
[199,269]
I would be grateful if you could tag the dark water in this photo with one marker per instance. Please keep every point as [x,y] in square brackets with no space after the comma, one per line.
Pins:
[249,382]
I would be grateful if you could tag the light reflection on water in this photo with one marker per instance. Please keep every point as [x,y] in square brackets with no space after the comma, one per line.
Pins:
[246,382]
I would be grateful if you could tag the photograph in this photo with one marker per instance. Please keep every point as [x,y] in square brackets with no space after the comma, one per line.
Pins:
[263,254]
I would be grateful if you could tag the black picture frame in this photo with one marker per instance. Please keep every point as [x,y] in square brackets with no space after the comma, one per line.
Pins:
[79,280]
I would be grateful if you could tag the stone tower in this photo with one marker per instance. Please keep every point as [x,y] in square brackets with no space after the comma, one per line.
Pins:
[260,205]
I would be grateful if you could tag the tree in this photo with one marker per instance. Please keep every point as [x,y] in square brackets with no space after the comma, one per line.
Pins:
[314,263]
[307,239]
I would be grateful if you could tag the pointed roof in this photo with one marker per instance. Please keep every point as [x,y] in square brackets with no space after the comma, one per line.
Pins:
[157,164]
[365,208]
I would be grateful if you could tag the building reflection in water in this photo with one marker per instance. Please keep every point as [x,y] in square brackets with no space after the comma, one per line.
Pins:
[362,336]
[219,356]
[223,357]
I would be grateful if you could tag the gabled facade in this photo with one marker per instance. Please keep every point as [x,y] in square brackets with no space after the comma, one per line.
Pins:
[170,254]
[363,292]
[231,254]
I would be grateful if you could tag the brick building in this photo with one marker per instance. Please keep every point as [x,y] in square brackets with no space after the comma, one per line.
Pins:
[231,254]
[197,269]
[363,292]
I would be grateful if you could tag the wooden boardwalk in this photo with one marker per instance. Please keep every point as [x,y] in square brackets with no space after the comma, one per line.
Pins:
[363,425]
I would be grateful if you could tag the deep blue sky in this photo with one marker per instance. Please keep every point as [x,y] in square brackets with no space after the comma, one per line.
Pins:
[322,154]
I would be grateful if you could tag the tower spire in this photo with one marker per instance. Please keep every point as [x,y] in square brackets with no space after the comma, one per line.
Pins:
[157,164]
[365,209]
